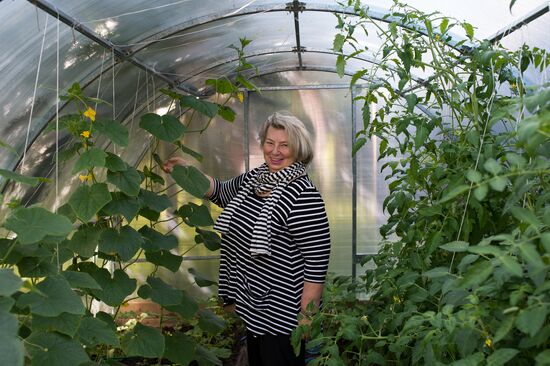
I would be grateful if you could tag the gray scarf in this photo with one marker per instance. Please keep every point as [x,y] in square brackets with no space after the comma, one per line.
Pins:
[263,183]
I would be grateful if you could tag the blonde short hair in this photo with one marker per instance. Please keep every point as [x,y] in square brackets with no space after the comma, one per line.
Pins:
[299,138]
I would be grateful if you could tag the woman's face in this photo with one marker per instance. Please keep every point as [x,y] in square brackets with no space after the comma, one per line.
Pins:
[277,153]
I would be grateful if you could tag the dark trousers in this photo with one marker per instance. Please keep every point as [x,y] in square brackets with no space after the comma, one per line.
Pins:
[273,350]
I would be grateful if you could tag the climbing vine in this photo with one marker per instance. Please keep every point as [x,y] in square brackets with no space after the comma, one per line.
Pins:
[461,276]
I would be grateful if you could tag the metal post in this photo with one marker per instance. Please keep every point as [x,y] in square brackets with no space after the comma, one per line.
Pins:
[296,7]
[353,189]
[246,107]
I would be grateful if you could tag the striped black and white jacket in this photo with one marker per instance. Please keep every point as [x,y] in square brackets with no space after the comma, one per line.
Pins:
[267,289]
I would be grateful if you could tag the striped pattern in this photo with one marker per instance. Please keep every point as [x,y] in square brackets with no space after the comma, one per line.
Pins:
[262,182]
[268,289]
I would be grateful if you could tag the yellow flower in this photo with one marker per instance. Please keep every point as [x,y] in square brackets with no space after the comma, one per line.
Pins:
[240,95]
[85,134]
[397,299]
[86,178]
[90,113]
[489,342]
[437,37]
[513,86]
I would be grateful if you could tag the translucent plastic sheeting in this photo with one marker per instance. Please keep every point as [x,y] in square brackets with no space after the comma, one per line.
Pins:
[184,56]
[265,64]
[131,21]
[79,58]
[134,96]
[327,114]
[296,78]
[488,17]
[222,147]
[535,34]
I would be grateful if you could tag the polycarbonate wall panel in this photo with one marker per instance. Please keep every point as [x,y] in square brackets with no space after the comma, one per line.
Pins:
[315,61]
[486,16]
[372,189]
[327,114]
[205,45]
[126,22]
[296,78]
[265,64]
[21,46]
[222,147]
[40,159]
[535,34]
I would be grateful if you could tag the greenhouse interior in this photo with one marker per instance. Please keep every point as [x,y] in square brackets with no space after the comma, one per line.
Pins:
[129,127]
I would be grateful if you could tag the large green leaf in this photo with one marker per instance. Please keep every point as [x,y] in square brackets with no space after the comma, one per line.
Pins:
[501,356]
[154,201]
[11,347]
[115,289]
[525,215]
[113,130]
[543,358]
[166,128]
[206,356]
[437,272]
[16,177]
[94,157]
[143,341]
[122,204]
[64,323]
[422,133]
[227,113]
[454,192]
[9,282]
[476,274]
[67,211]
[504,328]
[200,279]
[124,242]
[85,241]
[530,254]
[86,201]
[191,179]
[187,308]
[165,259]
[531,319]
[487,249]
[455,246]
[180,348]
[196,215]
[481,192]
[128,181]
[222,86]
[52,349]
[472,360]
[156,241]
[210,322]
[114,163]
[498,183]
[511,265]
[94,331]
[36,267]
[34,223]
[207,108]
[81,280]
[160,292]
[210,239]
[52,297]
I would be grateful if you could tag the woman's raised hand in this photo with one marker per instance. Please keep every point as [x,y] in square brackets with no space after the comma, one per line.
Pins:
[169,164]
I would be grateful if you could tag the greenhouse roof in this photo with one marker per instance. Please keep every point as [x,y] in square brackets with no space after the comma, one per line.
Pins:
[183,43]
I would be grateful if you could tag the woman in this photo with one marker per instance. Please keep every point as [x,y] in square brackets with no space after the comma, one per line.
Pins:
[275,241]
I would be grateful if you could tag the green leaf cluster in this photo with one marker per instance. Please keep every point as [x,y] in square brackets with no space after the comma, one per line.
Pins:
[55,266]
[462,276]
